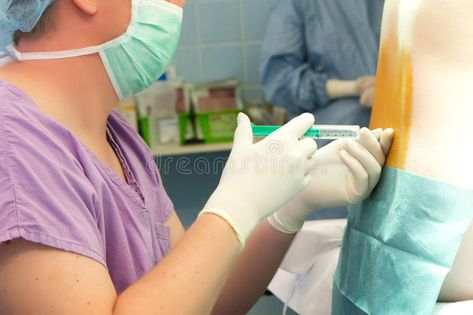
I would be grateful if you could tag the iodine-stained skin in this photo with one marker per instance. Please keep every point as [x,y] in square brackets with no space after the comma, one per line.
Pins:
[393,101]
[425,92]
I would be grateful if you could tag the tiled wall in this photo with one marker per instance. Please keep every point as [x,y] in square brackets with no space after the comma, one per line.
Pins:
[222,39]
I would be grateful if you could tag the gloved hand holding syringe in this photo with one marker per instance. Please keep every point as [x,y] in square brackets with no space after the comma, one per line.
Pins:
[322,132]
[250,191]
[345,171]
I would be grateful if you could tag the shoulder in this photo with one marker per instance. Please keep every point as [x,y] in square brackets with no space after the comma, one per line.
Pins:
[28,134]
[46,195]
[15,102]
[36,151]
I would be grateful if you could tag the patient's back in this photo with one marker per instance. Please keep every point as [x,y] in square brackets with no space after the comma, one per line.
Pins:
[427,96]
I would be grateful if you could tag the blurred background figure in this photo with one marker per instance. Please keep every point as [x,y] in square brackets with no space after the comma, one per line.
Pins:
[320,56]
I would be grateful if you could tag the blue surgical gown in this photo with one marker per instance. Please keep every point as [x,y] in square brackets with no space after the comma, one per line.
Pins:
[308,42]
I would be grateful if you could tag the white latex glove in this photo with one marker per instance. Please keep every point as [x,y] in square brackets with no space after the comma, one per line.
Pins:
[365,82]
[365,87]
[367,98]
[259,178]
[345,173]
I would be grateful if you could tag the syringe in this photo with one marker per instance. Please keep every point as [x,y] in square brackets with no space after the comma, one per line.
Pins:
[323,132]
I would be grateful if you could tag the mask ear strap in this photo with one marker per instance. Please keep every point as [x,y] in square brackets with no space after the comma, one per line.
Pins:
[52,55]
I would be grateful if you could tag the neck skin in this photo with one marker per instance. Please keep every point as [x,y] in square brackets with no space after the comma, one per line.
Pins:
[75,91]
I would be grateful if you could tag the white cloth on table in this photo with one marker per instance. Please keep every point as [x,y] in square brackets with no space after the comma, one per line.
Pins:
[304,281]
[305,278]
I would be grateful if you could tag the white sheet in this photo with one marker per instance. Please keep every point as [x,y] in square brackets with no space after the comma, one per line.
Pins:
[459,308]
[305,278]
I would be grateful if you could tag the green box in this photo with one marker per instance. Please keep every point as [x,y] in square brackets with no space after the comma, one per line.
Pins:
[143,128]
[186,128]
[218,126]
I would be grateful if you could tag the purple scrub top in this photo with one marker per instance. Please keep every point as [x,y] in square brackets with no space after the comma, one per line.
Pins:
[56,192]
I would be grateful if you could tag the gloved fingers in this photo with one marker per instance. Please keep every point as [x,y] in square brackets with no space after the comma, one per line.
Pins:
[386,140]
[309,147]
[367,98]
[360,175]
[377,133]
[367,160]
[309,165]
[365,82]
[243,133]
[307,180]
[369,141]
[361,83]
[297,127]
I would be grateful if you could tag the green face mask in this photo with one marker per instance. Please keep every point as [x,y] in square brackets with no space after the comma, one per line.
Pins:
[136,59]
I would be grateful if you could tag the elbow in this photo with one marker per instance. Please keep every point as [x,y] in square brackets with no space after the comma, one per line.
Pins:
[276,99]
[294,88]
[144,301]
[276,91]
[129,303]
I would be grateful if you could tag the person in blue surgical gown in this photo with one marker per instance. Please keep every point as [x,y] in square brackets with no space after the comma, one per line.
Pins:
[320,56]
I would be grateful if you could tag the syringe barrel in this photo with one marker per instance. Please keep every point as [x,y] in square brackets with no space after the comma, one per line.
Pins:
[331,132]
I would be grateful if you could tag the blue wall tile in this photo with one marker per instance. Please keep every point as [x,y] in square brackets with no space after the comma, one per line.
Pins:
[222,39]
[256,15]
[222,62]
[189,32]
[219,21]
[187,63]
[253,56]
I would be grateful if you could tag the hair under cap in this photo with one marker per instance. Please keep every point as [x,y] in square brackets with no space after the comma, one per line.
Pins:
[19,15]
